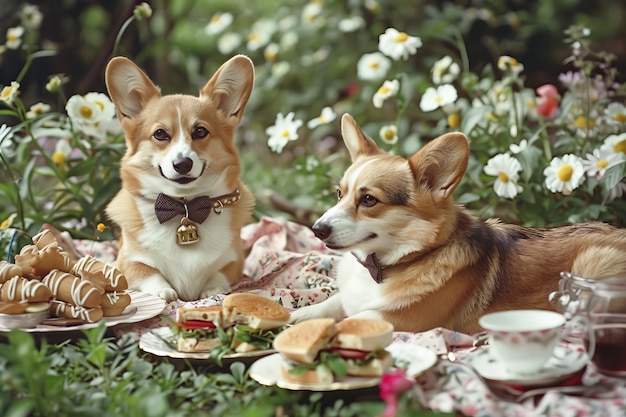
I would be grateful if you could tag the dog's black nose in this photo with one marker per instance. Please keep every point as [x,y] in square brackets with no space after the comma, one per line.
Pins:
[182,165]
[322,230]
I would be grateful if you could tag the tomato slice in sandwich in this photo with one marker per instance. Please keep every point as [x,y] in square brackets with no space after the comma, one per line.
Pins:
[196,324]
[351,353]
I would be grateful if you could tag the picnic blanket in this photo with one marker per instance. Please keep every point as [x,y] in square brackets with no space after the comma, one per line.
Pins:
[288,264]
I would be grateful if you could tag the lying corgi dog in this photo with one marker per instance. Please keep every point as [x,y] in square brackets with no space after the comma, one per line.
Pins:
[182,204]
[418,260]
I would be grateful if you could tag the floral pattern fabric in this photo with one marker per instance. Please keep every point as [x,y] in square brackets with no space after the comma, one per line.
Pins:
[288,264]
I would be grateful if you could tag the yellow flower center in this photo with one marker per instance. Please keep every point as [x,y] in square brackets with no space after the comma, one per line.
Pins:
[254,37]
[389,135]
[602,163]
[86,112]
[620,117]
[620,146]
[101,227]
[454,120]
[401,37]
[503,177]
[384,90]
[373,65]
[5,223]
[6,92]
[58,158]
[564,173]
[584,123]
[216,19]
[285,133]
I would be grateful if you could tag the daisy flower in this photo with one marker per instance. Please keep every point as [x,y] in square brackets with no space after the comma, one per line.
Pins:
[564,174]
[506,170]
[388,89]
[218,23]
[615,143]
[372,66]
[445,70]
[284,130]
[260,34]
[312,14]
[14,37]
[228,42]
[515,149]
[389,134]
[37,110]
[351,24]
[434,98]
[91,113]
[9,92]
[616,113]
[600,160]
[510,64]
[31,16]
[327,116]
[397,44]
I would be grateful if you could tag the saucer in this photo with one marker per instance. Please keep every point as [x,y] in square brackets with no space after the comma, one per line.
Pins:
[566,361]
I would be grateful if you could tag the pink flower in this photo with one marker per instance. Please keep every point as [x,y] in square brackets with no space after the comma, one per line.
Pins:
[392,385]
[548,103]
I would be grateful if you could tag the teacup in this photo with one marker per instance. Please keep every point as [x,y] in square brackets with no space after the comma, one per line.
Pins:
[523,340]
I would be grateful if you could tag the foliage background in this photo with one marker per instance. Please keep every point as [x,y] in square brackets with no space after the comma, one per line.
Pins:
[174,49]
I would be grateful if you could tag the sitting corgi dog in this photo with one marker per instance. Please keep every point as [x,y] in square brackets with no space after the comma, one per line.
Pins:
[419,260]
[182,204]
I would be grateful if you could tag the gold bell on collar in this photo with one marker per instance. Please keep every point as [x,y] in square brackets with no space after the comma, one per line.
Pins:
[187,232]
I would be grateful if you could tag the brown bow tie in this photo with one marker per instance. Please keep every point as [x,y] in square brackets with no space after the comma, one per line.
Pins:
[196,210]
[373,266]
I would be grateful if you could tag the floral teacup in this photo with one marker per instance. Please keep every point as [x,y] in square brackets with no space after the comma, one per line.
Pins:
[523,340]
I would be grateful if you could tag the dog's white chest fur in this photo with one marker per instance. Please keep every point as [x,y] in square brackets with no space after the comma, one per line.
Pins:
[357,289]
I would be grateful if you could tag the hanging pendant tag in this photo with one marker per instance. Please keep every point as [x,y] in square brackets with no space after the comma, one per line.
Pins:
[187,232]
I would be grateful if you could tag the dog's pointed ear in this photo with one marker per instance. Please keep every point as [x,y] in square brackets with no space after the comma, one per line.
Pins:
[441,164]
[129,87]
[357,142]
[231,86]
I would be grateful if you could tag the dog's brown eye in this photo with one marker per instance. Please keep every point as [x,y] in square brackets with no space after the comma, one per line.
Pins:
[199,133]
[160,135]
[368,201]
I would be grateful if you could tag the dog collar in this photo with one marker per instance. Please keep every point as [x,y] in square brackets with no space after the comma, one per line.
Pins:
[196,210]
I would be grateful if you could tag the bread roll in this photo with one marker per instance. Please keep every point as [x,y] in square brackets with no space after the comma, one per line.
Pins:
[319,375]
[113,303]
[71,289]
[254,310]
[303,341]
[21,289]
[62,309]
[8,271]
[201,313]
[363,334]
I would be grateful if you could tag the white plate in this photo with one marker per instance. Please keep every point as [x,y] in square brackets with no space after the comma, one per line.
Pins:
[566,361]
[161,342]
[416,359]
[142,306]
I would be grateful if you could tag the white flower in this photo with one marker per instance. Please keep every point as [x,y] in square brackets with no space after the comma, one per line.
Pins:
[260,34]
[31,16]
[508,63]
[228,42]
[351,24]
[284,130]
[564,174]
[289,40]
[616,113]
[5,138]
[515,149]
[218,23]
[388,89]
[312,14]
[37,109]
[14,37]
[615,143]
[389,134]
[445,70]
[91,113]
[397,44]
[327,116]
[373,66]
[506,170]
[280,69]
[9,92]
[271,51]
[434,98]
[600,160]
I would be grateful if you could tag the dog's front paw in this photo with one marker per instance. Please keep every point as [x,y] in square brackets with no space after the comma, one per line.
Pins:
[209,292]
[168,294]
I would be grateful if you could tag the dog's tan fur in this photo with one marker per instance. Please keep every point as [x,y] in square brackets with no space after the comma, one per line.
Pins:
[149,255]
[442,265]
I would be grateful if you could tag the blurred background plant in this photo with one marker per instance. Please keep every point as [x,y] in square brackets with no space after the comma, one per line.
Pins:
[537,86]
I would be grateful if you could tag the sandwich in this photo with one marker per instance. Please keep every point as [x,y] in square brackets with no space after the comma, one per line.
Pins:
[321,351]
[244,322]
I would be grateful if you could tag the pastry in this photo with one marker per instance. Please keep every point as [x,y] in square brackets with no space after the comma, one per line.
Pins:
[62,309]
[22,289]
[113,303]
[71,289]
[8,270]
